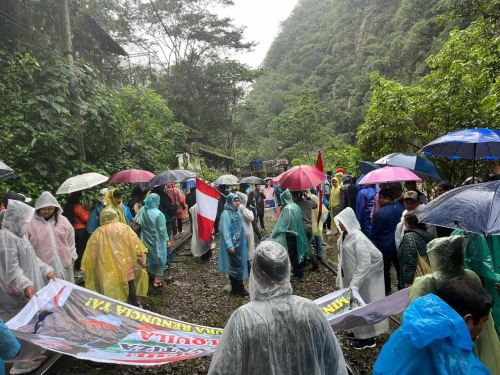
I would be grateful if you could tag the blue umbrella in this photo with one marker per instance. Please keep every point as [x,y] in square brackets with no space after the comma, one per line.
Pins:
[473,144]
[422,167]
[472,208]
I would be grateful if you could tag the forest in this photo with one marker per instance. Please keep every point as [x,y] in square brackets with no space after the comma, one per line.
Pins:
[361,79]
[355,78]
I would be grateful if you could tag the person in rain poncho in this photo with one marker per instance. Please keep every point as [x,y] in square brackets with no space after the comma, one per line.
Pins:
[199,248]
[233,251]
[446,256]
[9,346]
[248,217]
[22,273]
[335,197]
[317,225]
[113,199]
[95,215]
[480,257]
[290,234]
[437,333]
[53,237]
[154,235]
[361,267]
[276,332]
[111,260]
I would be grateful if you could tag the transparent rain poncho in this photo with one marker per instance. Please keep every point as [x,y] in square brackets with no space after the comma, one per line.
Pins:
[19,265]
[111,257]
[232,235]
[446,256]
[248,217]
[154,234]
[276,332]
[290,221]
[360,266]
[53,239]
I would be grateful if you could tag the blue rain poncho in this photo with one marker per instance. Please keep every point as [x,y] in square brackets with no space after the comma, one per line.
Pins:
[232,235]
[433,339]
[154,234]
[290,221]
[365,200]
[276,332]
[9,346]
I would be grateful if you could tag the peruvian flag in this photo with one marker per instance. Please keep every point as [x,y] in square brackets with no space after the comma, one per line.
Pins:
[207,200]
[319,166]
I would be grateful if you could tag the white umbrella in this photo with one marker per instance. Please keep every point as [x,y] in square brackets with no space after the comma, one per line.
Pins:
[81,182]
[227,179]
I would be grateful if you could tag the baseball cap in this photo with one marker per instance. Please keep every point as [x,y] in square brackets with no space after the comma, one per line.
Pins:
[411,195]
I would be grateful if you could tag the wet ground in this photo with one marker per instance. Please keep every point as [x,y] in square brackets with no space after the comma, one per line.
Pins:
[196,293]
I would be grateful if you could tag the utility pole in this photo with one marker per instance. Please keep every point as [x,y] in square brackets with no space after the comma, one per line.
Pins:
[68,52]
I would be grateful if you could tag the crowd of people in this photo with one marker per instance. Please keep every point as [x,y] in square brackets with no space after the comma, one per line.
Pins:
[122,249]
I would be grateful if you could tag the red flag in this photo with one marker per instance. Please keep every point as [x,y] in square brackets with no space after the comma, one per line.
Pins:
[207,200]
[319,165]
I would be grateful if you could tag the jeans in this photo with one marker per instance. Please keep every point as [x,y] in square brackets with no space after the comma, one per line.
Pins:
[390,257]
[318,245]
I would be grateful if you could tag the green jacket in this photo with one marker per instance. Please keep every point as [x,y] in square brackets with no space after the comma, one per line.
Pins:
[414,241]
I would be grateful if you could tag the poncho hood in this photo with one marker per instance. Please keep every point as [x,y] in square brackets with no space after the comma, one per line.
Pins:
[243,198]
[270,273]
[286,197]
[348,218]
[109,215]
[446,255]
[17,217]
[429,318]
[46,199]
[229,201]
[152,201]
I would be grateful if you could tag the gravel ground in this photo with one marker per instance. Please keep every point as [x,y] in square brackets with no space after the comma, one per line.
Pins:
[198,294]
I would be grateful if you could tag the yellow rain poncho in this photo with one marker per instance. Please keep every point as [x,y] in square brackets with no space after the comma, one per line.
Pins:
[110,256]
[109,202]
[446,256]
[335,196]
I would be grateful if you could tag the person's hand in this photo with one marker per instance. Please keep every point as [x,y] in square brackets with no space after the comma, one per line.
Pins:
[142,262]
[232,250]
[51,276]
[29,292]
[355,289]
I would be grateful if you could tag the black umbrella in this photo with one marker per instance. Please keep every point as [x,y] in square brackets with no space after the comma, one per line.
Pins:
[6,172]
[173,175]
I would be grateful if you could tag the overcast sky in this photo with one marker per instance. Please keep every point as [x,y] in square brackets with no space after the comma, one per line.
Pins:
[262,20]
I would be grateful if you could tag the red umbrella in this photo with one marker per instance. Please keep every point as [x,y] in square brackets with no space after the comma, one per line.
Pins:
[301,177]
[131,176]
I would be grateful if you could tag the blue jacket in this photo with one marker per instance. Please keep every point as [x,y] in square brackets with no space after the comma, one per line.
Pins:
[365,201]
[433,339]
[9,346]
[384,226]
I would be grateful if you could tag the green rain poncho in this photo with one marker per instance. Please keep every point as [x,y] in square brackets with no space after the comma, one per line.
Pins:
[479,258]
[290,221]
[446,256]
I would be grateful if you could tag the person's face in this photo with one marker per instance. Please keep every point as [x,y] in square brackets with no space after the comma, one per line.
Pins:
[236,203]
[342,227]
[118,200]
[474,329]
[257,188]
[411,204]
[440,191]
[47,212]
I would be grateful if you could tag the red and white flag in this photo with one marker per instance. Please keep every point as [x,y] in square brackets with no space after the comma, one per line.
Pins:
[207,200]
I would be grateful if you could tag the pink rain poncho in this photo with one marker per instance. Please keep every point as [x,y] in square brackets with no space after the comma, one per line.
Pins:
[53,239]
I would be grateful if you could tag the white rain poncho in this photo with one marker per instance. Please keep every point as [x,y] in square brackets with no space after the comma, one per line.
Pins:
[248,217]
[276,332]
[360,266]
[19,265]
[54,243]
[198,247]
